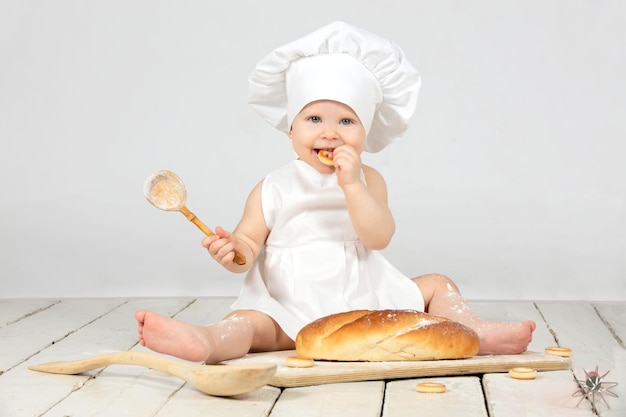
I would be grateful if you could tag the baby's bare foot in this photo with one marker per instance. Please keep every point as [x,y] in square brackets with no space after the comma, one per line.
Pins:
[173,337]
[503,338]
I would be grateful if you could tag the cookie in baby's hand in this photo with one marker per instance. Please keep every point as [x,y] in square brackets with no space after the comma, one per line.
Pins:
[325,157]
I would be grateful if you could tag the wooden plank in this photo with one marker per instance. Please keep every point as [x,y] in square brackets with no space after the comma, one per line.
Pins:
[34,333]
[188,402]
[507,397]
[206,310]
[463,397]
[137,391]
[355,399]
[123,390]
[114,331]
[325,372]
[577,326]
[617,374]
[548,395]
[613,315]
[516,311]
[13,310]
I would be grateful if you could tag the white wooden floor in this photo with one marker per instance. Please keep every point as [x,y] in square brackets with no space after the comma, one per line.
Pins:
[33,331]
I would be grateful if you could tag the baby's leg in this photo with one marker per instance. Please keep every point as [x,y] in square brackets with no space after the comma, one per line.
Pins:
[236,335]
[442,298]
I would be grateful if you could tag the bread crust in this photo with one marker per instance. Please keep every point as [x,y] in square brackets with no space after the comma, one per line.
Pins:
[386,335]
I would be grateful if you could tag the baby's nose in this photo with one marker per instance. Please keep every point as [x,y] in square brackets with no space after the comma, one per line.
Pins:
[329,133]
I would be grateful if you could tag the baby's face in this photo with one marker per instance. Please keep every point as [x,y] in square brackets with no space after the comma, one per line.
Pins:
[325,125]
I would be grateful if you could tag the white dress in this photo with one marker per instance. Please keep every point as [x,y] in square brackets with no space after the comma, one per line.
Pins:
[313,264]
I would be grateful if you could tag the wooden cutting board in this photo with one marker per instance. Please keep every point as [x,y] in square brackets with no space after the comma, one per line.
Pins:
[326,372]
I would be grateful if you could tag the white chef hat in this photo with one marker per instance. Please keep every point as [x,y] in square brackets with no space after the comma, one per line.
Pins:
[341,63]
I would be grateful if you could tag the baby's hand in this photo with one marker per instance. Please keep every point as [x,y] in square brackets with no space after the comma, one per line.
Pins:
[347,163]
[221,246]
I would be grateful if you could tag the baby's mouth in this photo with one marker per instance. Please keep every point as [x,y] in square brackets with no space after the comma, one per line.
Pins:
[325,156]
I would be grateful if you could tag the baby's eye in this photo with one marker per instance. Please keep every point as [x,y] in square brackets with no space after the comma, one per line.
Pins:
[315,119]
[345,121]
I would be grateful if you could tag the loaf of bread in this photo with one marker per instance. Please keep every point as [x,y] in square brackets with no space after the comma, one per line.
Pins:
[385,335]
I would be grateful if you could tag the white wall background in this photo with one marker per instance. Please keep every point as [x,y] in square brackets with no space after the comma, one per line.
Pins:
[511,178]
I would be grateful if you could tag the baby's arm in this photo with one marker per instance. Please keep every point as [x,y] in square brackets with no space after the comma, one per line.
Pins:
[369,212]
[248,238]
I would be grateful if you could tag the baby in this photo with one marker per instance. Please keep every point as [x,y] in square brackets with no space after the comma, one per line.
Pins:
[311,230]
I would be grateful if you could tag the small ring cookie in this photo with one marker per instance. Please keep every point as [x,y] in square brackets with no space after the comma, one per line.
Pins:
[558,351]
[430,387]
[523,373]
[324,156]
[299,362]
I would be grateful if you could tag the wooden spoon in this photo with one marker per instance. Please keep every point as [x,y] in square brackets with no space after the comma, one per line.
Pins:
[218,380]
[166,191]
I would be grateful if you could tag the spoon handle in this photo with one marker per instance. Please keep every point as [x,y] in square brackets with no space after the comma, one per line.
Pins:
[120,358]
[240,259]
[216,380]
